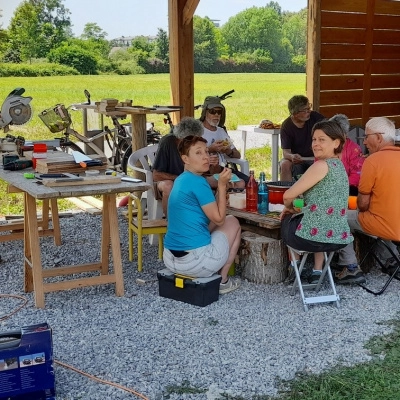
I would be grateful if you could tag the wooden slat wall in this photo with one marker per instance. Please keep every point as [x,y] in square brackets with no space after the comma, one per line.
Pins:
[353,64]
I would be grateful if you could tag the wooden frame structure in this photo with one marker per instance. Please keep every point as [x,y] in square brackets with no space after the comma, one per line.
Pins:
[353,57]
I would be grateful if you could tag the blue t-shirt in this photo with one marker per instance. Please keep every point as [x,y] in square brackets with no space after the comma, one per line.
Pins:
[187,224]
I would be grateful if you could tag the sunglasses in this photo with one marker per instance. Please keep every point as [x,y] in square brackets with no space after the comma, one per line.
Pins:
[213,111]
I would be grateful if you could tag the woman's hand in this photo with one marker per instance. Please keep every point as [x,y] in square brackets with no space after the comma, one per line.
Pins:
[288,211]
[225,176]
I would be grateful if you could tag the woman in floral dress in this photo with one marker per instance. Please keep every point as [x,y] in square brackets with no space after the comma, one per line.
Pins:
[321,225]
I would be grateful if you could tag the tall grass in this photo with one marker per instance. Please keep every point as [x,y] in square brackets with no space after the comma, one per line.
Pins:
[256,97]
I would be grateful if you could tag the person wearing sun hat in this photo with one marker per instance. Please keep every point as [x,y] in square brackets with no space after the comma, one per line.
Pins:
[219,143]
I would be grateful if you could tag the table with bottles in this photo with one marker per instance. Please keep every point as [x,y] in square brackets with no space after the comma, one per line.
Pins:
[255,217]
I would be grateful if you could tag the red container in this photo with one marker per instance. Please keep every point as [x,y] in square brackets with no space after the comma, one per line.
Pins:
[276,190]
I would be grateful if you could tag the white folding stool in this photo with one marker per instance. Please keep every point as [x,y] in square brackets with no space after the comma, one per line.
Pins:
[326,270]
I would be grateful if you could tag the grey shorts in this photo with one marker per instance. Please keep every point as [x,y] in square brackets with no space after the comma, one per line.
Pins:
[203,261]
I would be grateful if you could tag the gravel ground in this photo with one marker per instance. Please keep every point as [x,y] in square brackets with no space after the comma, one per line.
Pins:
[242,345]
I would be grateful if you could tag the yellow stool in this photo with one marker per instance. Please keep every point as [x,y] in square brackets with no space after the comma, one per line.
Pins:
[143,227]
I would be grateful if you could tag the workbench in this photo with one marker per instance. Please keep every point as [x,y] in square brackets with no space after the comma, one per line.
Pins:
[34,274]
[138,119]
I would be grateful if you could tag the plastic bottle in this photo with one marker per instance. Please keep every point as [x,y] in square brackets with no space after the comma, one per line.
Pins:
[262,195]
[251,193]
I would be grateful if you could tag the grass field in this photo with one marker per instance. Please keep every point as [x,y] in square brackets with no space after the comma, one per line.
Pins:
[256,97]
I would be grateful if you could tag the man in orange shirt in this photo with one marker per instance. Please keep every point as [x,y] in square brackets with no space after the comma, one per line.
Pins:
[378,200]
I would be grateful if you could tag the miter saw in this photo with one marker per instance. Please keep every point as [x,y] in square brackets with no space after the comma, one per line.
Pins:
[15,110]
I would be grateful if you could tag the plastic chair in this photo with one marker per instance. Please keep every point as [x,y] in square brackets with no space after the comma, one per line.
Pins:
[145,157]
[242,163]
[143,227]
[370,251]
[326,270]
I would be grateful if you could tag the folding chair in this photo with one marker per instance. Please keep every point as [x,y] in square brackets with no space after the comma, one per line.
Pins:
[326,270]
[371,249]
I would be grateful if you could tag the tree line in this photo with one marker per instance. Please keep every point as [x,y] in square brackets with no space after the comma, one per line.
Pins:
[258,39]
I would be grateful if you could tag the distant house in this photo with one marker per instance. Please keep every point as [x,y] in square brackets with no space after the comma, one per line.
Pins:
[126,41]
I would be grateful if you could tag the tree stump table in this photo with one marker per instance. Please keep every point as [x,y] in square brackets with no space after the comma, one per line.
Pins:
[262,259]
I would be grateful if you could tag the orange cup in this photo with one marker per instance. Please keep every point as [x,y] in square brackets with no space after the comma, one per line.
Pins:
[352,203]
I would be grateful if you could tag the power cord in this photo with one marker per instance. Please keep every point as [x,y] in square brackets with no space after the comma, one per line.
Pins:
[13,296]
[95,378]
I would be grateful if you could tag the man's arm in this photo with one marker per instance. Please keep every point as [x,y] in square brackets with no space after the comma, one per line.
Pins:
[163,176]
[294,158]
[363,201]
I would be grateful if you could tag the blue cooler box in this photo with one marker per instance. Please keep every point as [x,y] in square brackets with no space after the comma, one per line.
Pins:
[197,291]
[26,364]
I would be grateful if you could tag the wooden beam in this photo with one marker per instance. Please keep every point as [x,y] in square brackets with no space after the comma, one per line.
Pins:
[188,11]
[181,57]
[313,53]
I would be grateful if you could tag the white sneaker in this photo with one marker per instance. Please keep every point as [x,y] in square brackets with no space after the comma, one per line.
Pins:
[229,286]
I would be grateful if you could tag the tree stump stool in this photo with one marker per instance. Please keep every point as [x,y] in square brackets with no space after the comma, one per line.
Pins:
[262,259]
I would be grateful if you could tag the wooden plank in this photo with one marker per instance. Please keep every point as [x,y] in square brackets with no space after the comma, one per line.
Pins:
[341,82]
[385,95]
[385,66]
[343,51]
[386,21]
[386,36]
[338,97]
[385,52]
[342,19]
[385,81]
[93,201]
[84,206]
[390,7]
[340,67]
[93,180]
[342,35]
[352,111]
[344,5]
[384,109]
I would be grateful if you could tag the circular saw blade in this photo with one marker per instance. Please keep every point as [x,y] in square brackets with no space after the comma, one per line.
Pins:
[20,114]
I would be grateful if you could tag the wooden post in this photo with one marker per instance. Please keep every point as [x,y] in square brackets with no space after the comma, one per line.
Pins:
[181,57]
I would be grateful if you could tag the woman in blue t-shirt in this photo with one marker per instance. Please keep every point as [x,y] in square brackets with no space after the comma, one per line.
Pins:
[201,240]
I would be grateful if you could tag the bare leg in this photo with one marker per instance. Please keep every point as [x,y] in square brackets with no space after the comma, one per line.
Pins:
[286,170]
[318,261]
[165,188]
[231,229]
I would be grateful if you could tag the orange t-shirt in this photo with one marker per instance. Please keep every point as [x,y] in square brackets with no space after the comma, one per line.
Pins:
[379,179]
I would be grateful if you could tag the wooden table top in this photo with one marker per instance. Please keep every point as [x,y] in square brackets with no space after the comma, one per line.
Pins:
[39,191]
[262,221]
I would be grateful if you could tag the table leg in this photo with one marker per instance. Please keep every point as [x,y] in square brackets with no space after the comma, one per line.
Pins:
[243,148]
[105,236]
[110,204]
[275,155]
[32,250]
[139,133]
[56,222]
[28,277]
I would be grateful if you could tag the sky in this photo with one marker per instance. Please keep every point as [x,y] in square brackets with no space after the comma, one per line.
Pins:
[138,17]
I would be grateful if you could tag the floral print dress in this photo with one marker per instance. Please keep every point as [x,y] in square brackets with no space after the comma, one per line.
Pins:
[324,218]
